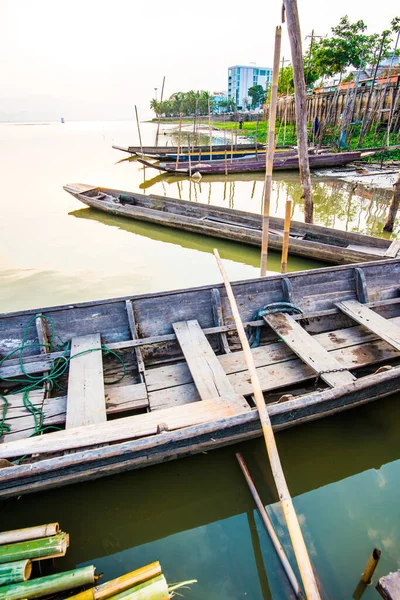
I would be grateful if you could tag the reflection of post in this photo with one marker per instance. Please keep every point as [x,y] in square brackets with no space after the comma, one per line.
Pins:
[138,128]
[286,231]
[394,205]
[179,140]
[270,153]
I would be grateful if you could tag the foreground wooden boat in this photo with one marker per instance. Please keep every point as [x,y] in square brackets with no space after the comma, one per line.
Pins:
[285,162]
[162,150]
[320,243]
[182,363]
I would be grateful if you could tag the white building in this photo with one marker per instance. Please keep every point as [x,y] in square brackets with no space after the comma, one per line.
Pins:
[242,78]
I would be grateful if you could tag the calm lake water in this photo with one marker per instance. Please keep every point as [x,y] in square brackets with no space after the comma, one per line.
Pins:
[194,515]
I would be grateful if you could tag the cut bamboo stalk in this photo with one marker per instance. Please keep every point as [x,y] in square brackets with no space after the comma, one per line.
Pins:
[209,130]
[179,140]
[189,156]
[270,153]
[138,128]
[44,586]
[296,536]
[154,589]
[268,526]
[372,563]
[29,533]
[120,584]
[43,548]
[14,572]
[226,165]
[286,232]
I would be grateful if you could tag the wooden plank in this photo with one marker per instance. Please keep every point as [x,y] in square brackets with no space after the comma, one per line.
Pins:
[308,349]
[389,586]
[132,327]
[86,399]
[219,319]
[393,249]
[208,375]
[382,327]
[126,428]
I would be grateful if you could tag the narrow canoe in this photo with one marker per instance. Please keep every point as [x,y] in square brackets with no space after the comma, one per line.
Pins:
[186,388]
[320,243]
[288,162]
[161,150]
[216,154]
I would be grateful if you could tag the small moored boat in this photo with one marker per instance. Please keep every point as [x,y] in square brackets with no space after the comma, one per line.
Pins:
[119,384]
[320,243]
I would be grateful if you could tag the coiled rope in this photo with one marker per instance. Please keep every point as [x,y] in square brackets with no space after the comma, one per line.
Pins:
[254,331]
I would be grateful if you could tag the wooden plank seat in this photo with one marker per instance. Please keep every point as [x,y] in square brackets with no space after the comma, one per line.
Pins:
[383,328]
[393,249]
[86,403]
[309,350]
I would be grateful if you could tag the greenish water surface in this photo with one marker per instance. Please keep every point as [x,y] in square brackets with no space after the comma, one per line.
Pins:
[194,515]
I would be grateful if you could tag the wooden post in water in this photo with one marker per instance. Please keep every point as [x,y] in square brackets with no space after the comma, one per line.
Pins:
[270,153]
[296,536]
[189,156]
[293,26]
[209,129]
[226,165]
[159,114]
[179,140]
[271,531]
[372,563]
[394,206]
[138,128]
[286,231]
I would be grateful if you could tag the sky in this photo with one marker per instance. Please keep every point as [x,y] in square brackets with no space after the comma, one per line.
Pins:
[96,59]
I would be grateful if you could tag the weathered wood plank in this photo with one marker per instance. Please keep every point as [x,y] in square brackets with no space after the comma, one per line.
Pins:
[393,249]
[219,319]
[132,327]
[86,398]
[383,328]
[389,586]
[208,375]
[122,429]
[308,349]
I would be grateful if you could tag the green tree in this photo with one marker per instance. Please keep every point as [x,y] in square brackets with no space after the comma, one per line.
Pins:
[285,80]
[257,95]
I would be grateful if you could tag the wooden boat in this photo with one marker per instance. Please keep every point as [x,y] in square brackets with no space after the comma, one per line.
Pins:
[320,243]
[216,154]
[162,150]
[283,162]
[338,348]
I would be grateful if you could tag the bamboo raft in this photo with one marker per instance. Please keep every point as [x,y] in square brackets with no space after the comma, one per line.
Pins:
[320,243]
[180,385]
[282,162]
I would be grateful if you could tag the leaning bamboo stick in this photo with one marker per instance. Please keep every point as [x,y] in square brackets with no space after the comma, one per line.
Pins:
[296,536]
[160,111]
[286,231]
[154,589]
[372,563]
[189,156]
[49,547]
[29,533]
[120,584]
[138,128]
[270,154]
[209,130]
[14,572]
[52,584]
[271,532]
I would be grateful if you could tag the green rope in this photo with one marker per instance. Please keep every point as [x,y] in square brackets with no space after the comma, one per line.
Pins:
[58,368]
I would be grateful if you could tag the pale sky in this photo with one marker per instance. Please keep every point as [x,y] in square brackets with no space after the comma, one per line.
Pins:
[94,59]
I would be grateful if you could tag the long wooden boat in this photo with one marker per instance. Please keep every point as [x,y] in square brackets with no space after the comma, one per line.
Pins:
[320,243]
[162,150]
[328,340]
[216,154]
[251,165]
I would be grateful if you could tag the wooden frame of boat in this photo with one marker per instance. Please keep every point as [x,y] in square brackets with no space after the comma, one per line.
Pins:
[311,241]
[161,150]
[184,365]
[287,162]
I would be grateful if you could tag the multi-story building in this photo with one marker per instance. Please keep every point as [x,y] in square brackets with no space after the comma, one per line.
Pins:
[242,78]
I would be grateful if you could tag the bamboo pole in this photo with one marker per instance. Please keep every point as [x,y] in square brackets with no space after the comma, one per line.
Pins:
[154,589]
[372,563]
[29,533]
[189,156]
[49,547]
[209,130]
[270,153]
[394,206]
[286,231]
[120,584]
[44,586]
[14,572]
[293,27]
[159,114]
[179,140]
[226,164]
[296,536]
[138,128]
[269,527]
[365,121]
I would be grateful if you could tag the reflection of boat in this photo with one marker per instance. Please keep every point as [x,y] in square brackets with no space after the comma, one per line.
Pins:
[182,363]
[162,150]
[320,243]
[282,162]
